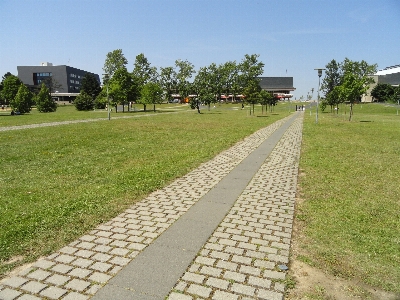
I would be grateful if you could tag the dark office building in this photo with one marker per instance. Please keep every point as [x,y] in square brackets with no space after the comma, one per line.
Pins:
[67,79]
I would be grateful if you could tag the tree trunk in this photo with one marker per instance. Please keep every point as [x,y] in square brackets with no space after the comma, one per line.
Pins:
[154,108]
[351,111]
[198,108]
[144,107]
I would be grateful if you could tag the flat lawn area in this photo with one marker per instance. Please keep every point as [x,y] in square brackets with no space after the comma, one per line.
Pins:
[58,182]
[349,210]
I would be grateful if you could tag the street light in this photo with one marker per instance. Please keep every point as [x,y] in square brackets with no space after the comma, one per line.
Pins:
[319,79]
[108,100]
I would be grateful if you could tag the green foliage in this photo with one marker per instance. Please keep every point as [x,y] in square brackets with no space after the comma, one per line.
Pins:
[323,104]
[90,85]
[114,61]
[23,101]
[10,87]
[184,73]
[84,102]
[43,100]
[122,87]
[101,100]
[151,93]
[383,92]
[168,82]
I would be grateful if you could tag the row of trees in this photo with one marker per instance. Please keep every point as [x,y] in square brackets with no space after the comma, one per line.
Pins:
[15,94]
[148,86]
[384,92]
[346,82]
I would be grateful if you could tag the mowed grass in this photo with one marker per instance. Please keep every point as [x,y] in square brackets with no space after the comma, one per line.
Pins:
[58,182]
[350,185]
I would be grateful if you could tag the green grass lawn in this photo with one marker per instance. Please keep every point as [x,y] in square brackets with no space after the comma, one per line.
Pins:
[351,192]
[57,183]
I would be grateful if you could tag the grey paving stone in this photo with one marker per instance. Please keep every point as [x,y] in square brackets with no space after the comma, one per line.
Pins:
[39,275]
[199,290]
[53,292]
[197,278]
[15,281]
[222,295]
[9,294]
[61,268]
[57,279]
[80,273]
[99,277]
[178,296]
[33,287]
[75,296]
[77,285]
[28,297]
[243,289]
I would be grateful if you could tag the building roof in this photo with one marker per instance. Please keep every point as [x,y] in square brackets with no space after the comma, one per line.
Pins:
[277,83]
[389,70]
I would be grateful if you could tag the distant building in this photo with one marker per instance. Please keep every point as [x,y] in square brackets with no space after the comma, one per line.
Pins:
[279,87]
[389,75]
[66,80]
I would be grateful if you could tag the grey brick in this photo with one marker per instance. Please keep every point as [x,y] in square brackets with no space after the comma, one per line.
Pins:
[61,268]
[82,262]
[99,277]
[221,295]
[39,275]
[75,296]
[44,264]
[177,296]
[210,271]
[9,294]
[28,297]
[274,274]
[101,257]
[80,273]
[15,281]
[77,285]
[64,258]
[205,260]
[234,276]
[120,261]
[100,266]
[261,282]
[57,279]
[243,289]
[270,295]
[199,290]
[34,287]
[217,283]
[53,292]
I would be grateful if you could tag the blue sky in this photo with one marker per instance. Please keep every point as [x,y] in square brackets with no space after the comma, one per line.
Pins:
[292,37]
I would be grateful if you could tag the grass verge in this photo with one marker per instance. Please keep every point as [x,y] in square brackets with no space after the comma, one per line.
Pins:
[349,184]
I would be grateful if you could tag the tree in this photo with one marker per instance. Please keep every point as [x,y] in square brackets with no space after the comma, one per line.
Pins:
[168,82]
[114,61]
[250,68]
[122,87]
[22,102]
[185,72]
[90,85]
[11,85]
[202,87]
[151,93]
[383,92]
[84,102]
[44,102]
[265,99]
[355,81]
[333,76]
[101,100]
[143,73]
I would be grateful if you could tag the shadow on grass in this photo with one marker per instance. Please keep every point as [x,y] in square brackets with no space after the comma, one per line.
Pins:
[365,121]
[262,116]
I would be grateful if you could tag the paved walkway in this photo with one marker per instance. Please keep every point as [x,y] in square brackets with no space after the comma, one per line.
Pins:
[220,232]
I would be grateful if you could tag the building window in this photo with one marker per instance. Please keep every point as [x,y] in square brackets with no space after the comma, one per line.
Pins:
[77,82]
[72,81]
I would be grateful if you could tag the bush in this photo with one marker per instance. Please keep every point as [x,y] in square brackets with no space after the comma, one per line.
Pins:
[84,102]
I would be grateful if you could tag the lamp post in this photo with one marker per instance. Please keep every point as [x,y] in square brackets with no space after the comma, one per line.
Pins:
[108,100]
[319,80]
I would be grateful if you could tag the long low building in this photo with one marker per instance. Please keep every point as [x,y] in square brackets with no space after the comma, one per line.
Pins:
[389,75]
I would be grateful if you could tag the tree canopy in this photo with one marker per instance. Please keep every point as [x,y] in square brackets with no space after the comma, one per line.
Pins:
[90,85]
[10,87]
[22,102]
[44,103]
[384,92]
[114,61]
